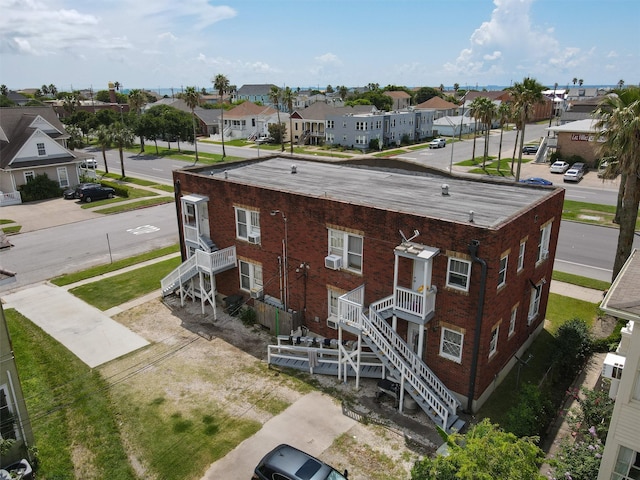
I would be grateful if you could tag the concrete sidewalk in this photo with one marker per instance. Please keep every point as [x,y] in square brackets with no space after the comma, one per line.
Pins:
[311,424]
[86,331]
[574,291]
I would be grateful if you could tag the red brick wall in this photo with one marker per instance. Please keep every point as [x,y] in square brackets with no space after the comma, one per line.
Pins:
[307,220]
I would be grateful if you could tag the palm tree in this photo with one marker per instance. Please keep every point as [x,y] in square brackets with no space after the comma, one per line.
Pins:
[274,96]
[136,99]
[4,90]
[475,111]
[488,113]
[103,137]
[575,80]
[122,137]
[117,86]
[192,99]
[456,87]
[53,91]
[44,89]
[525,96]
[343,91]
[504,113]
[580,82]
[620,84]
[221,85]
[619,121]
[287,99]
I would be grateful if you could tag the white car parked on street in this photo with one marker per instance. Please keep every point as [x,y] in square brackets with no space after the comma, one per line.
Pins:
[559,167]
[438,143]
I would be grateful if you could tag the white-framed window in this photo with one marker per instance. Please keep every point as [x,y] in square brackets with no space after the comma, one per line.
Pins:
[635,393]
[493,343]
[458,273]
[627,465]
[9,431]
[29,175]
[250,275]
[512,321]
[361,140]
[543,243]
[502,272]
[63,178]
[330,124]
[330,138]
[451,344]
[523,245]
[190,214]
[534,305]
[348,246]
[42,151]
[247,223]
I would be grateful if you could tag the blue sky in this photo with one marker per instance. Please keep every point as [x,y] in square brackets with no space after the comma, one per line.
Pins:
[303,43]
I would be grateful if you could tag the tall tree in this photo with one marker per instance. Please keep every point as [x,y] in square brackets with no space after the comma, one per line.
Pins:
[136,100]
[287,99]
[53,91]
[44,89]
[274,96]
[122,137]
[619,122]
[192,99]
[4,90]
[485,111]
[580,82]
[575,80]
[103,136]
[117,86]
[221,85]
[525,95]
[475,110]
[620,84]
[504,113]
[343,91]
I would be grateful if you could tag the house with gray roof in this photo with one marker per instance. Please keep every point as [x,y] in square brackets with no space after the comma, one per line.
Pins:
[33,142]
[255,93]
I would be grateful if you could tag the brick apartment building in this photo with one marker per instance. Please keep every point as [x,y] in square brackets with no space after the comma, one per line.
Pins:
[456,269]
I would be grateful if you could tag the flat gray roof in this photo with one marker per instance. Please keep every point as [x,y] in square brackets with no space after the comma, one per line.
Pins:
[405,192]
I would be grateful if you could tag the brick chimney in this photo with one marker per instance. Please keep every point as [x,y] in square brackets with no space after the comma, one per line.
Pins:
[112,93]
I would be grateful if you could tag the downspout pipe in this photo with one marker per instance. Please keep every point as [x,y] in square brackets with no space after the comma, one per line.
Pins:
[177,195]
[473,250]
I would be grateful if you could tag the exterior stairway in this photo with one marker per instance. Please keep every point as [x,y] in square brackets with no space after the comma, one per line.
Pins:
[406,368]
[209,263]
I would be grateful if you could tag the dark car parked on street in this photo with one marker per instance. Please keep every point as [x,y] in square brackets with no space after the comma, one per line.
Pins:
[288,463]
[90,192]
[70,193]
[530,149]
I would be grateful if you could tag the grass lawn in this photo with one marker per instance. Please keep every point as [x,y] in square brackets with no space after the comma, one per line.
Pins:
[70,407]
[580,281]
[107,293]
[125,207]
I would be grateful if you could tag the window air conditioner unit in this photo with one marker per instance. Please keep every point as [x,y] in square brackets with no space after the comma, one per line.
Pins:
[254,238]
[257,293]
[332,323]
[334,262]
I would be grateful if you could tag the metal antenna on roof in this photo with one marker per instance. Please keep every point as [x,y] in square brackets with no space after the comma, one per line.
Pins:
[405,239]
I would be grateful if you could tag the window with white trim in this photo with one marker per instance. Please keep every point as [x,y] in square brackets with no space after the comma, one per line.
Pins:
[29,175]
[348,246]
[42,151]
[250,275]
[493,343]
[523,245]
[330,124]
[635,394]
[458,273]
[534,305]
[63,178]
[627,465]
[451,344]
[8,430]
[512,321]
[247,223]
[543,243]
[502,272]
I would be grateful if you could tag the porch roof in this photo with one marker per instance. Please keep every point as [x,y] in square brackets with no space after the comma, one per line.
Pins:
[492,203]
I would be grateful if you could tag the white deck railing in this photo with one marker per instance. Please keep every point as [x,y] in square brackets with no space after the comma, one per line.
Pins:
[202,261]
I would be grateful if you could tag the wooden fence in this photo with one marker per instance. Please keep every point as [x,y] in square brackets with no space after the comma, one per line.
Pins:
[278,321]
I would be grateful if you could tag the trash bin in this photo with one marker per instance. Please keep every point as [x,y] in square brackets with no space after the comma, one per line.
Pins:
[233,304]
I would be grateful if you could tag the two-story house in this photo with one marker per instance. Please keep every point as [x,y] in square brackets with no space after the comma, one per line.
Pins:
[255,93]
[444,280]
[621,457]
[308,125]
[388,128]
[33,142]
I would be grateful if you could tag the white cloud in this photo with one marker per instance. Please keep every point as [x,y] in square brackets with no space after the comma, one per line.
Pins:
[167,36]
[328,58]
[612,54]
[499,45]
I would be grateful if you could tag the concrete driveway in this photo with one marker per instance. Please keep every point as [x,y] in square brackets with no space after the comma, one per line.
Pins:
[311,424]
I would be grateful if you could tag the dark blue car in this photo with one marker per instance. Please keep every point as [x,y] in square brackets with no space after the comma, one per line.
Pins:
[536,181]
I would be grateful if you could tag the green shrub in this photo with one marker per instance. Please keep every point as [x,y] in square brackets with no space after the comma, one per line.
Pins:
[573,347]
[39,188]
[531,414]
[248,316]
[121,191]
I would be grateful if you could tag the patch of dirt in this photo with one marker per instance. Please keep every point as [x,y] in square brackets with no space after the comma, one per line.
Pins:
[196,360]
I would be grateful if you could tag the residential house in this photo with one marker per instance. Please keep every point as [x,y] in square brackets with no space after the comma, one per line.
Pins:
[14,418]
[418,271]
[580,110]
[308,124]
[17,98]
[388,128]
[578,138]
[251,121]
[256,93]
[584,93]
[454,126]
[621,457]
[401,99]
[33,142]
[440,106]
